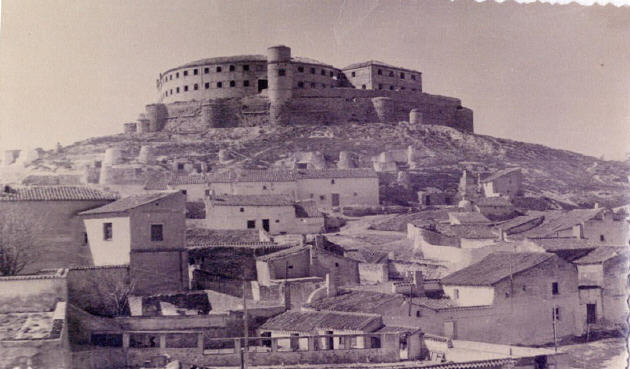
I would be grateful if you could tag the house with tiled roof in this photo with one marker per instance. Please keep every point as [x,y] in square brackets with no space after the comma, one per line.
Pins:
[326,187]
[148,233]
[57,234]
[505,182]
[514,298]
[276,214]
[603,287]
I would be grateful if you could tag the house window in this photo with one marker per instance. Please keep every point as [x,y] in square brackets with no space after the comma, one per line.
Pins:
[232,68]
[259,68]
[232,83]
[322,197]
[312,70]
[602,238]
[336,265]
[417,313]
[332,181]
[331,74]
[456,293]
[245,83]
[171,91]
[107,231]
[180,166]
[157,232]
[219,84]
[242,210]
[206,70]
[177,75]
[195,71]
[195,86]
[207,85]
[246,67]
[413,77]
[219,69]
[207,192]
[185,73]
[301,69]
[186,88]
[85,238]
[554,288]
[363,87]
[380,86]
[170,78]
[251,224]
[556,314]
[353,74]
[282,72]
[391,73]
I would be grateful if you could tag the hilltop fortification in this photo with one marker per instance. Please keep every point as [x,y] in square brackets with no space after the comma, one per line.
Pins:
[280,89]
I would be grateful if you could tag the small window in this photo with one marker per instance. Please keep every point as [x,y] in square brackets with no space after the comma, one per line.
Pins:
[363,87]
[232,68]
[185,88]
[246,67]
[170,78]
[177,89]
[245,83]
[331,74]
[391,73]
[556,314]
[379,72]
[391,88]
[402,88]
[332,181]
[313,84]
[456,293]
[219,84]
[232,83]
[185,192]
[417,313]
[206,70]
[156,232]
[207,192]
[322,197]
[219,69]
[355,194]
[353,74]
[195,71]
[277,220]
[177,75]
[602,238]
[242,210]
[282,72]
[300,84]
[264,187]
[195,86]
[180,166]
[301,69]
[107,231]
[413,77]
[524,288]
[259,67]
[336,265]
[554,288]
[85,238]
[323,85]
[402,75]
[380,86]
[312,70]
[323,72]
[171,91]
[185,73]
[251,224]
[206,85]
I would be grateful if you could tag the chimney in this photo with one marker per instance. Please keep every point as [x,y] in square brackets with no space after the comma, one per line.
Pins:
[331,285]
[578,231]
[501,235]
[596,205]
[418,283]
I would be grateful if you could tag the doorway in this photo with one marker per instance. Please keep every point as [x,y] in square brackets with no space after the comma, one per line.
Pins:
[335,199]
[265,224]
[591,313]
[262,84]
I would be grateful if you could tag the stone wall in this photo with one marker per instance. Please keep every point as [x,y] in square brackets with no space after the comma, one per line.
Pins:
[32,293]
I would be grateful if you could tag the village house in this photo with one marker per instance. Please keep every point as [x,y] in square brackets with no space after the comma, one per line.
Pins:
[194,186]
[432,196]
[506,182]
[515,298]
[148,233]
[603,287]
[373,265]
[48,214]
[495,208]
[327,187]
[276,214]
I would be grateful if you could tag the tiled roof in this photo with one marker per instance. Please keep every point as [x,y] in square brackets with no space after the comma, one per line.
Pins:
[203,236]
[156,183]
[57,193]
[469,231]
[222,59]
[307,209]
[252,200]
[365,255]
[378,63]
[374,302]
[283,253]
[189,179]
[492,201]
[511,224]
[601,254]
[499,174]
[556,221]
[286,175]
[495,267]
[129,203]
[563,243]
[308,321]
[468,217]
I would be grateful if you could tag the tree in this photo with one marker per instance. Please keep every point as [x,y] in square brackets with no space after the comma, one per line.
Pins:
[16,243]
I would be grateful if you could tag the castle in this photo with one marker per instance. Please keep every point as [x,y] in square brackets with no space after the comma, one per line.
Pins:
[278,89]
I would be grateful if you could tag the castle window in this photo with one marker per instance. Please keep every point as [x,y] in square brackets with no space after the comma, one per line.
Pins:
[413,77]
[402,75]
[312,70]
[245,83]
[391,73]
[300,84]
[157,232]
[207,85]
[195,71]
[185,73]
[363,87]
[323,72]
[391,88]
[556,314]
[417,313]
[259,67]
[232,68]
[219,84]
[282,72]
[242,210]
[219,69]
[354,74]
[171,91]
[170,77]
[177,89]
[323,85]
[185,88]
[332,181]
[331,74]
[602,238]
[232,83]
[206,70]
[554,288]
[195,86]
[107,231]
[85,238]
[301,69]
[246,67]
[379,72]
[380,86]
[177,75]
[313,85]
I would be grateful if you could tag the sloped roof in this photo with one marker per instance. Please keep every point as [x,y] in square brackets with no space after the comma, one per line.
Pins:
[203,236]
[307,209]
[188,179]
[468,217]
[374,302]
[509,225]
[499,174]
[469,231]
[365,255]
[129,203]
[563,243]
[156,183]
[556,221]
[495,267]
[287,175]
[283,253]
[308,321]
[492,201]
[57,193]
[252,200]
[377,63]
[601,254]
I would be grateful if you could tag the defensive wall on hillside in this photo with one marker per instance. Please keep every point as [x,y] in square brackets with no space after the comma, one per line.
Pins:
[249,90]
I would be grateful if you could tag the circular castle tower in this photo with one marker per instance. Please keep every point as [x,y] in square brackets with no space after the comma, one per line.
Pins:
[280,77]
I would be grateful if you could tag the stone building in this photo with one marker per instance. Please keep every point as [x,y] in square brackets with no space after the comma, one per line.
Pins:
[506,182]
[148,233]
[279,88]
[49,214]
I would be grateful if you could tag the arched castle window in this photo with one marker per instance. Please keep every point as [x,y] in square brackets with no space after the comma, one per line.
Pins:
[207,85]
[246,67]
[246,83]
[206,70]
[195,71]
[301,69]
[232,83]
[195,87]
[185,73]
[232,68]
[219,84]
[282,72]
[219,69]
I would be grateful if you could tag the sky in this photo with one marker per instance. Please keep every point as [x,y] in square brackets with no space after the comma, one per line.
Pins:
[557,75]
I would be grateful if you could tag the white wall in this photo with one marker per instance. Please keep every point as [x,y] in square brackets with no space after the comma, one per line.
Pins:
[109,252]
[470,295]
[591,273]
[194,192]
[352,191]
[255,188]
[281,218]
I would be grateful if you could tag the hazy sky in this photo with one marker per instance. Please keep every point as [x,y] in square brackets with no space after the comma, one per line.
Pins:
[549,74]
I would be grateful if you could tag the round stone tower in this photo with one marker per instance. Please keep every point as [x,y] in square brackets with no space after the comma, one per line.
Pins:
[144,125]
[384,107]
[415,116]
[280,82]
[146,155]
[113,156]
[156,113]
